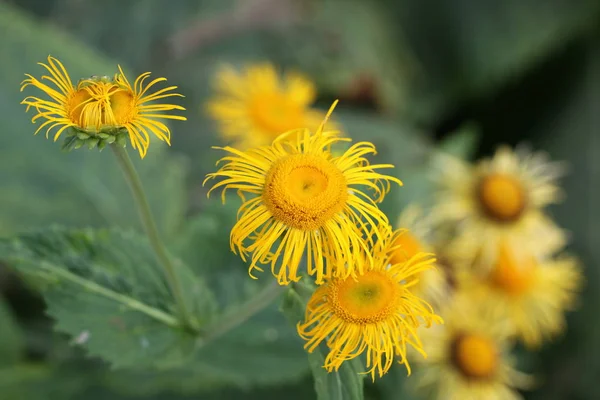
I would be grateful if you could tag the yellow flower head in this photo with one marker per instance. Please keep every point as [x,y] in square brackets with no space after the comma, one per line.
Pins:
[255,106]
[375,312]
[413,237]
[304,202]
[530,292]
[469,358]
[500,197]
[101,107]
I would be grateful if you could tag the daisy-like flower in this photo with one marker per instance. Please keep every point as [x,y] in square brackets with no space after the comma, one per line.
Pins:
[414,237]
[530,292]
[502,196]
[255,106]
[469,359]
[132,107]
[101,107]
[305,202]
[375,312]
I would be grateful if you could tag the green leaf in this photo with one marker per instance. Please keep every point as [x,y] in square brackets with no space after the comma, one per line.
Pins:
[466,49]
[262,349]
[106,289]
[40,183]
[345,384]
[570,133]
[11,341]
[461,143]
[400,145]
[396,385]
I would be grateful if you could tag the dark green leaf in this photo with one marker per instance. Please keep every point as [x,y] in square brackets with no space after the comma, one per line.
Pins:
[462,143]
[345,384]
[106,289]
[11,340]
[397,144]
[570,133]
[465,49]
[262,350]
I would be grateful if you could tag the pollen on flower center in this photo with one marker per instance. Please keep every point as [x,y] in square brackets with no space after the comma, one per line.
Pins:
[513,273]
[304,191]
[475,356]
[502,197]
[404,247]
[276,113]
[369,298]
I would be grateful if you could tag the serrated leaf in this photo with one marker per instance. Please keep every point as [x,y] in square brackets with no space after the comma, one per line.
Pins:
[262,349]
[345,384]
[40,183]
[106,289]
[11,341]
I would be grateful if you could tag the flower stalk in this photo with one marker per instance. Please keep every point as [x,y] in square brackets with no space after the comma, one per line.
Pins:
[135,184]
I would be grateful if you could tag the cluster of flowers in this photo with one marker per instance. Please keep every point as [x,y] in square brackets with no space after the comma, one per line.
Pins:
[307,205]
[503,276]
[311,211]
[497,278]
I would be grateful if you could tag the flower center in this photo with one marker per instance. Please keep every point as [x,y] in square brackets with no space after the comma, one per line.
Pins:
[88,106]
[276,114]
[122,105]
[502,197]
[475,356]
[405,246]
[304,191]
[513,273]
[369,298]
[81,109]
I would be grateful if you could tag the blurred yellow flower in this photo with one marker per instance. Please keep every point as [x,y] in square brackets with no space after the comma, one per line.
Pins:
[375,312]
[101,105]
[499,197]
[413,237]
[468,358]
[254,106]
[304,201]
[530,292]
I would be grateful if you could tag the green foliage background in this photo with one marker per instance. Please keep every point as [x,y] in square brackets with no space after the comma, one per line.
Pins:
[414,77]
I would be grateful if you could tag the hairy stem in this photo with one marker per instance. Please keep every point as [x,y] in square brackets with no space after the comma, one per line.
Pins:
[135,184]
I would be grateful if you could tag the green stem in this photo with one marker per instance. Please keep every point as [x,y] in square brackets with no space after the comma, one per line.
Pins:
[251,307]
[135,184]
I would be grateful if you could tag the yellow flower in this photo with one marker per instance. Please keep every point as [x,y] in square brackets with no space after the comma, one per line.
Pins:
[130,110]
[500,197]
[413,237]
[71,106]
[469,358]
[304,201]
[255,106]
[101,107]
[375,312]
[530,292]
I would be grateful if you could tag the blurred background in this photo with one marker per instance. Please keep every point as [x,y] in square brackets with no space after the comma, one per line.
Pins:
[412,76]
